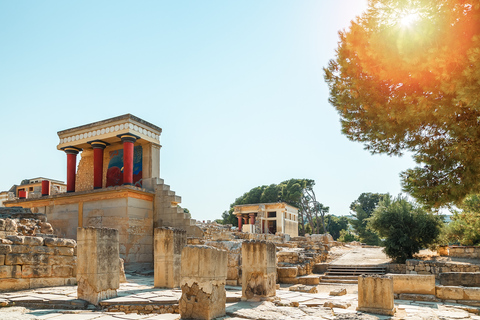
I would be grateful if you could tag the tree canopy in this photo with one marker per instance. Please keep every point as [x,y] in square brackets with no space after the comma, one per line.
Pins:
[405,227]
[465,225]
[362,210]
[406,78]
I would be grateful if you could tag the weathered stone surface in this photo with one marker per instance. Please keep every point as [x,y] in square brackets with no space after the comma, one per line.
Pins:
[60,242]
[338,292]
[63,251]
[21,249]
[449,292]
[46,282]
[168,245]
[10,225]
[5,249]
[204,271]
[375,294]
[303,288]
[287,272]
[411,283]
[97,267]
[466,279]
[337,304]
[26,259]
[258,269]
[2,259]
[36,271]
[18,284]
[62,271]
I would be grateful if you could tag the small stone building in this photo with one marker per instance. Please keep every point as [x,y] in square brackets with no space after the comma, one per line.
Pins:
[116,185]
[267,218]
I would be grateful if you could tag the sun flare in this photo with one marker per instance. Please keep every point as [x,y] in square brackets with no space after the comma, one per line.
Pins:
[408,19]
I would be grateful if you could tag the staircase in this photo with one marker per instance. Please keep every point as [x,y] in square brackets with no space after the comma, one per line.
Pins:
[349,274]
[169,213]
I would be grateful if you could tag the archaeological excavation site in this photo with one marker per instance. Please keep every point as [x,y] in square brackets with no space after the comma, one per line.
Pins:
[113,242]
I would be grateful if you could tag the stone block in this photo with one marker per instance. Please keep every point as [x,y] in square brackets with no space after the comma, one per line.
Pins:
[10,225]
[471,294]
[14,284]
[168,245]
[60,242]
[64,251]
[46,282]
[26,259]
[338,292]
[287,272]
[409,283]
[466,279]
[97,266]
[2,259]
[449,292]
[20,249]
[62,271]
[204,271]
[375,294]
[33,241]
[36,271]
[5,249]
[259,269]
[6,272]
[42,249]
[62,260]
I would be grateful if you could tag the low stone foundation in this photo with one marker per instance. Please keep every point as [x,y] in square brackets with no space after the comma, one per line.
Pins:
[466,279]
[34,262]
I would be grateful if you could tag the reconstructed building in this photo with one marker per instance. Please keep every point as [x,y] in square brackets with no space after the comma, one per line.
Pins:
[36,187]
[116,185]
[267,218]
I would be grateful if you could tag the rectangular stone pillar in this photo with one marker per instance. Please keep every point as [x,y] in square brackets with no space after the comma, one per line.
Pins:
[259,269]
[97,264]
[204,272]
[375,294]
[168,245]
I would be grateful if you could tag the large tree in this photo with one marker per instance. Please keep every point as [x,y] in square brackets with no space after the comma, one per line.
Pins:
[465,225]
[406,78]
[362,209]
[405,227]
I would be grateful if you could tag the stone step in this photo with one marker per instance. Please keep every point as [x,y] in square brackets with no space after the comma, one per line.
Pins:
[328,277]
[350,273]
[326,281]
[310,279]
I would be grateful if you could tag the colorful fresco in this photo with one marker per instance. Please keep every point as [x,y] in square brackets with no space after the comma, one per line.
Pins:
[115,167]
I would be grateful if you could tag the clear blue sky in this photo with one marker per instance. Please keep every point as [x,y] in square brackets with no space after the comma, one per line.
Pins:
[237,87]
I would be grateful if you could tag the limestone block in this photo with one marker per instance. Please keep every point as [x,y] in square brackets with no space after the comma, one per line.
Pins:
[42,249]
[2,259]
[46,282]
[467,279]
[10,225]
[60,242]
[287,272]
[20,249]
[26,259]
[449,292]
[409,283]
[338,292]
[14,284]
[259,269]
[168,245]
[36,271]
[62,271]
[6,272]
[62,260]
[122,277]
[97,265]
[5,249]
[33,241]
[64,251]
[375,294]
[203,271]
[2,224]
[471,294]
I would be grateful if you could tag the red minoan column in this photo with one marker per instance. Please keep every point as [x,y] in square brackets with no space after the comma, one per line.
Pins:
[22,194]
[128,141]
[45,188]
[98,147]
[71,167]
[252,218]
[239,223]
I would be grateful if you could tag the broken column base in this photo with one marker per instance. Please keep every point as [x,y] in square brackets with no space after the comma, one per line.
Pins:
[377,311]
[195,303]
[88,293]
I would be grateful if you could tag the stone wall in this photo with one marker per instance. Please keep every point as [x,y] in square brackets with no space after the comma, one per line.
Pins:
[464,252]
[34,262]
[434,267]
[466,279]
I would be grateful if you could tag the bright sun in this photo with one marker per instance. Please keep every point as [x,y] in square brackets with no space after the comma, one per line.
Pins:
[408,19]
